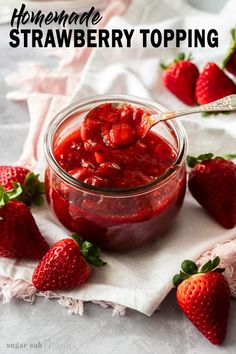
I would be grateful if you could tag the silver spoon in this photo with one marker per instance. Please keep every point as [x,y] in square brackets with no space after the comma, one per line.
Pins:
[227,103]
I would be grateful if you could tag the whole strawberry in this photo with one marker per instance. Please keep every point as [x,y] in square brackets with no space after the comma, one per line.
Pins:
[66,265]
[229,62]
[180,78]
[32,188]
[20,236]
[204,297]
[212,182]
[213,84]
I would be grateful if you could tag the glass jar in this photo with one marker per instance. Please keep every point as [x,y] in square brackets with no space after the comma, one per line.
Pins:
[115,219]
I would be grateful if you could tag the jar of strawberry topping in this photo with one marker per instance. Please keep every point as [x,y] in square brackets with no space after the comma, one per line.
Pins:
[116,198]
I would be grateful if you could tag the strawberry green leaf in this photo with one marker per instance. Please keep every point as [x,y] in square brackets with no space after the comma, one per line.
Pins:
[177,279]
[189,267]
[205,157]
[15,192]
[215,262]
[77,239]
[163,66]
[41,188]
[231,48]
[183,275]
[95,261]
[38,200]
[32,190]
[12,194]
[229,156]
[233,35]
[219,270]
[89,251]
[2,196]
[3,199]
[92,254]
[180,57]
[207,267]
[192,161]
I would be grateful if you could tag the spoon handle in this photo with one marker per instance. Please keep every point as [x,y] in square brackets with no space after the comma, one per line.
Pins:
[227,103]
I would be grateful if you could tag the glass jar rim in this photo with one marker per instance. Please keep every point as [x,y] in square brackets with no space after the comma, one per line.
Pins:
[98,99]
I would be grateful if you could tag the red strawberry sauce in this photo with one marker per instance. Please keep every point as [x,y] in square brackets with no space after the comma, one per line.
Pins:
[110,126]
[112,220]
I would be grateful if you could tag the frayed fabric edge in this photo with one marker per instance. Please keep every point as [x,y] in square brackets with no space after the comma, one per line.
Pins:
[23,290]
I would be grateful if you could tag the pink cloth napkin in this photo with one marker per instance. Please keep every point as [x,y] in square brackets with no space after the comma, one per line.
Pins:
[47,91]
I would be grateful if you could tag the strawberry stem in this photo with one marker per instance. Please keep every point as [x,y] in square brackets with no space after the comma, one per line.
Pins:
[89,251]
[190,268]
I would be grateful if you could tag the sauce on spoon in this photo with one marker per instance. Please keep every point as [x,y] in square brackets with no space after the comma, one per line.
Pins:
[113,127]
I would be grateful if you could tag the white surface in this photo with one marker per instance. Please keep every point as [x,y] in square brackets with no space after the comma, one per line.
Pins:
[97,332]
